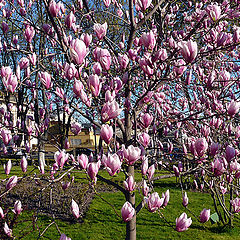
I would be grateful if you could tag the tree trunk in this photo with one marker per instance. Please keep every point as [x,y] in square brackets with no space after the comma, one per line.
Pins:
[131,225]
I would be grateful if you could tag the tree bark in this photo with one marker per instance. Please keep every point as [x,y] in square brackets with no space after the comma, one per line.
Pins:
[131,225]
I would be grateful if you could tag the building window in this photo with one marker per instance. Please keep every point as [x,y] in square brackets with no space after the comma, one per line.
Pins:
[76,142]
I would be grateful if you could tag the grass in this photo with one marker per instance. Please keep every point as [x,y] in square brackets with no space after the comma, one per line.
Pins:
[101,221]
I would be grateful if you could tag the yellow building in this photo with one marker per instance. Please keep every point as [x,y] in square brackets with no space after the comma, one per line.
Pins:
[86,141]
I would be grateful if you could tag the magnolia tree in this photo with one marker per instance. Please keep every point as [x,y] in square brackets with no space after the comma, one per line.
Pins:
[141,71]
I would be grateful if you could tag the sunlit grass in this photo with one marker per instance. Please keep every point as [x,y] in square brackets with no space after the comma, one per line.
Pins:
[101,221]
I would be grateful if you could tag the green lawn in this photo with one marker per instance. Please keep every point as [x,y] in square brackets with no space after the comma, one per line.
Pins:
[101,222]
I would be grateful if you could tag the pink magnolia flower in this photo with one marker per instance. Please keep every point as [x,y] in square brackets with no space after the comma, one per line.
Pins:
[123,61]
[113,164]
[17,207]
[201,146]
[75,209]
[185,200]
[5,27]
[12,182]
[129,184]
[60,158]
[93,169]
[24,63]
[100,30]
[107,3]
[8,167]
[66,144]
[166,197]
[154,202]
[144,139]
[110,111]
[1,213]
[97,69]
[147,120]
[70,71]
[6,136]
[78,51]
[60,93]
[7,230]
[94,85]
[214,11]
[233,108]
[145,188]
[144,4]
[131,154]
[189,50]
[230,153]
[127,212]
[64,237]
[54,8]
[151,171]
[106,133]
[65,185]
[29,33]
[70,20]
[214,148]
[10,82]
[180,67]
[183,223]
[103,57]
[148,40]
[77,87]
[84,97]
[236,205]
[204,215]
[218,167]
[144,167]
[87,38]
[45,79]
[76,128]
[176,171]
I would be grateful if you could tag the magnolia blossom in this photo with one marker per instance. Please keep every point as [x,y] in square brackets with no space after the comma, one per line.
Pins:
[154,202]
[76,128]
[183,223]
[10,82]
[93,169]
[144,4]
[148,40]
[189,50]
[7,230]
[201,146]
[12,182]
[236,204]
[233,108]
[64,237]
[127,212]
[94,84]
[60,158]
[204,215]
[113,164]
[129,184]
[185,200]
[100,30]
[45,79]
[17,207]
[131,154]
[144,139]
[106,133]
[83,160]
[8,167]
[78,51]
[75,209]
[110,111]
